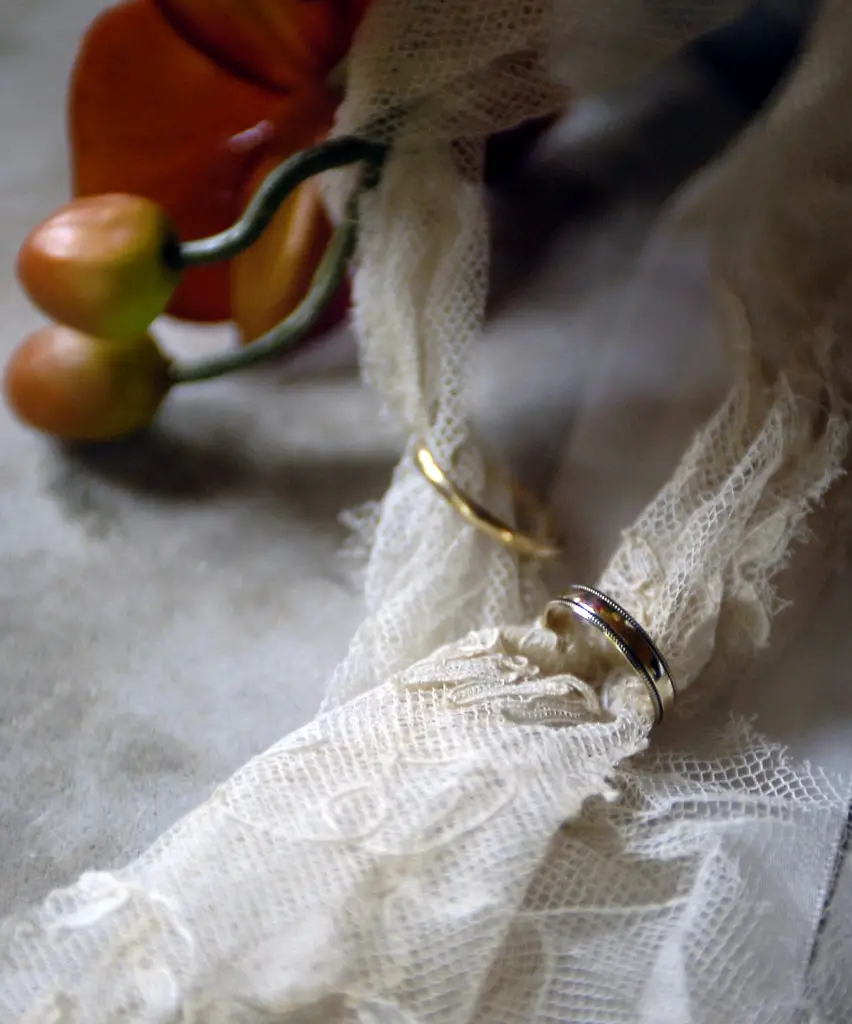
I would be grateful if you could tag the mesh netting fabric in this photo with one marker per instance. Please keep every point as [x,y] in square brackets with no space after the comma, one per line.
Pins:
[486,829]
[406,859]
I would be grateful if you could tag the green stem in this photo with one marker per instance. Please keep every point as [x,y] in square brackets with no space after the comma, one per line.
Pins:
[267,200]
[329,276]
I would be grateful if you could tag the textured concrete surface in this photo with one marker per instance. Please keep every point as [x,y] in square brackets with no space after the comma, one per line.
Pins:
[169,607]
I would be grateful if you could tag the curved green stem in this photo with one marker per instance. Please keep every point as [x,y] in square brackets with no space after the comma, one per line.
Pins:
[329,276]
[278,184]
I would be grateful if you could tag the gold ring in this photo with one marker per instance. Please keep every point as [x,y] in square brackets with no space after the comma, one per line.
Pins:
[624,633]
[527,544]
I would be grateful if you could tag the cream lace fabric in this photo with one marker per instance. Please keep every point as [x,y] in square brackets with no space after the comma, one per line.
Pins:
[485,829]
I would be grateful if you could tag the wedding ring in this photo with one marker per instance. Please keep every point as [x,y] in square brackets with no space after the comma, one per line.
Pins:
[472,512]
[623,632]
